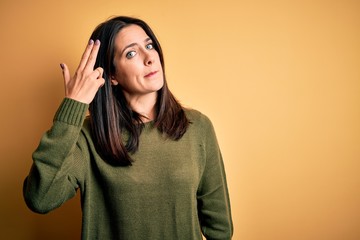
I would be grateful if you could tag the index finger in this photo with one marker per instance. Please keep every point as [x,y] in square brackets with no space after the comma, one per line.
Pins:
[92,57]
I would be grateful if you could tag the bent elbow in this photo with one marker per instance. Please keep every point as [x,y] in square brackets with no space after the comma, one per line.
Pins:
[34,201]
[36,206]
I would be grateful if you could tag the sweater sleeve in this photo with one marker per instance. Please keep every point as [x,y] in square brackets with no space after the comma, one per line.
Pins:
[55,173]
[213,196]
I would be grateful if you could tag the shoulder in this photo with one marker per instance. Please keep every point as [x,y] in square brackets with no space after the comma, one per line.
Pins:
[201,128]
[198,119]
[194,115]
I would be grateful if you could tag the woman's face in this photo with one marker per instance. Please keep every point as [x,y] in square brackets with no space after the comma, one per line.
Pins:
[138,68]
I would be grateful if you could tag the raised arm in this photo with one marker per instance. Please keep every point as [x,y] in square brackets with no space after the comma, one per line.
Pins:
[58,162]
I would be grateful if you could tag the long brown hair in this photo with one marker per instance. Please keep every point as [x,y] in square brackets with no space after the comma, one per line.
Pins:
[110,114]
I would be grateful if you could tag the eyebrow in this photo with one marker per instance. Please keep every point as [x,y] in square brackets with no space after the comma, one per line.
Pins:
[134,44]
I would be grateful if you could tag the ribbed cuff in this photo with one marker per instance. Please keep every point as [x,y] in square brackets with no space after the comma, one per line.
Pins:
[71,112]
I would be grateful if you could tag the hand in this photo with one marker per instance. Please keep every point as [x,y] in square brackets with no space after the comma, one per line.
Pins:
[85,83]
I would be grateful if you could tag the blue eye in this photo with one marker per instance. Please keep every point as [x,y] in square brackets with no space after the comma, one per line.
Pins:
[130,54]
[149,46]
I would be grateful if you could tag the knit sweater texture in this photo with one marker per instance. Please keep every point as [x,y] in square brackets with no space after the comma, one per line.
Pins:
[173,190]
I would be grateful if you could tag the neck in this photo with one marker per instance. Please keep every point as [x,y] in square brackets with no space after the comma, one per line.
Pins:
[143,105]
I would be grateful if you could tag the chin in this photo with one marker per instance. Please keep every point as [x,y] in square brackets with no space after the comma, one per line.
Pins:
[159,85]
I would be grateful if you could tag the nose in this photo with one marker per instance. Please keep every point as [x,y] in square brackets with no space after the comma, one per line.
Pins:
[149,59]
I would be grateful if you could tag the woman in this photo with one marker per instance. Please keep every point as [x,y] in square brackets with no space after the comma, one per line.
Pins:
[146,167]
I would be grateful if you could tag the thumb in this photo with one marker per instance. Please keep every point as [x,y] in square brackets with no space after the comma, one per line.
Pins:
[66,73]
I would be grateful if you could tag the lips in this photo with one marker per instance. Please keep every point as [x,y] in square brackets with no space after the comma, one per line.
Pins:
[150,74]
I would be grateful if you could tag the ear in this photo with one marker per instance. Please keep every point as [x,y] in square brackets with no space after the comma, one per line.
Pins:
[114,82]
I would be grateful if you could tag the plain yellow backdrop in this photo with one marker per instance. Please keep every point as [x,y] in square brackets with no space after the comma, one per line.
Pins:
[279,79]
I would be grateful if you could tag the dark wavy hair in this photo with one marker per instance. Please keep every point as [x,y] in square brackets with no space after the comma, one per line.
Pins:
[111,117]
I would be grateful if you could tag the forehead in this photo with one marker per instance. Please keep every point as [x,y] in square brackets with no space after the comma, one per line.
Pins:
[130,34]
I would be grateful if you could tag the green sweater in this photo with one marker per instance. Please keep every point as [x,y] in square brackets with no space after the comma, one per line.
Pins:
[173,190]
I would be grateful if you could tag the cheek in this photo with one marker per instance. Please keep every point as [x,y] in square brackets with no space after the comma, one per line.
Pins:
[127,78]
[123,80]
[131,69]
[123,74]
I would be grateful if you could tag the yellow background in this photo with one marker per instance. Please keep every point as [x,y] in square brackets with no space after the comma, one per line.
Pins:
[279,79]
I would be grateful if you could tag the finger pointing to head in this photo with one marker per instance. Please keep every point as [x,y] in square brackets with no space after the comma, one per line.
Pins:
[92,57]
[85,56]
